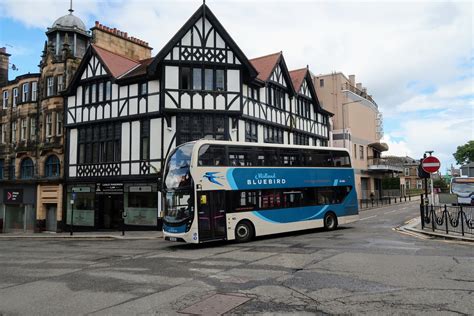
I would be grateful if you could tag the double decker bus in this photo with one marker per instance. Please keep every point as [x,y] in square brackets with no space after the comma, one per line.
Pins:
[220,190]
[463,187]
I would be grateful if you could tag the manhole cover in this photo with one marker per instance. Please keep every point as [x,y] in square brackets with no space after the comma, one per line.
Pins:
[217,304]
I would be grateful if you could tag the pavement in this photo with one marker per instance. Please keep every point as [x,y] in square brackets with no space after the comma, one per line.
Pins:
[128,235]
[414,226]
[366,267]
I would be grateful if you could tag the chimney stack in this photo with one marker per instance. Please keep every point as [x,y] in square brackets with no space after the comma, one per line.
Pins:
[352,80]
[4,65]
[359,86]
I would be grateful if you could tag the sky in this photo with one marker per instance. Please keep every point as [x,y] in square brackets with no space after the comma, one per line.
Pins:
[416,58]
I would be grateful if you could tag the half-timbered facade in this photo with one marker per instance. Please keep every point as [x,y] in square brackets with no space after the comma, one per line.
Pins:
[125,113]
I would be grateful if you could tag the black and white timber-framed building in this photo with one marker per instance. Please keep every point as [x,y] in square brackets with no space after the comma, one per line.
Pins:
[124,116]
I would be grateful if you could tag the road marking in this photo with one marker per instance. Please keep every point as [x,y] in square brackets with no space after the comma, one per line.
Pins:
[368,217]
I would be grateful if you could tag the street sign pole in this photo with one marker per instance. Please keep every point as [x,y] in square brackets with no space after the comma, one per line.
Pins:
[432,191]
[72,217]
[426,181]
[72,212]
[431,165]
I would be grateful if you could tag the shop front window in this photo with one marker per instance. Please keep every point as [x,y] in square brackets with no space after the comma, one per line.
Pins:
[83,209]
[141,208]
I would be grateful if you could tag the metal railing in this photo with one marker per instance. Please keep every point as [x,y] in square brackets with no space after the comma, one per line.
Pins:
[363,94]
[386,200]
[384,162]
[447,219]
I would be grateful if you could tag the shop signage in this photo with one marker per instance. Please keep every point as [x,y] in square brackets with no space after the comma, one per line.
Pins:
[109,188]
[13,196]
[81,189]
[144,188]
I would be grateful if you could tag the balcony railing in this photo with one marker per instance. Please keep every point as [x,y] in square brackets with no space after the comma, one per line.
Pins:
[351,88]
[383,164]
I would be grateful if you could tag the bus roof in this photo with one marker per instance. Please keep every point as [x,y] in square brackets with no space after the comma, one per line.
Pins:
[463,180]
[272,145]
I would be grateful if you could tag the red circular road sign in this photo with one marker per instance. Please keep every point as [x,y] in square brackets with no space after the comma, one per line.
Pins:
[430,164]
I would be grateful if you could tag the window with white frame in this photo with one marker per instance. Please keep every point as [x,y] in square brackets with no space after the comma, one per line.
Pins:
[407,184]
[49,86]
[59,124]
[361,152]
[419,184]
[407,171]
[5,99]
[60,83]
[23,129]
[49,125]
[32,128]
[34,91]
[13,137]
[15,97]
[25,90]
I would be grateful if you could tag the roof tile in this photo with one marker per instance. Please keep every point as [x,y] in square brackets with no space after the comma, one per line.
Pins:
[297,77]
[265,65]
[116,64]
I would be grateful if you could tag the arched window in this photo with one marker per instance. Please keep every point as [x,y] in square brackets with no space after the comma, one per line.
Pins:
[26,169]
[52,167]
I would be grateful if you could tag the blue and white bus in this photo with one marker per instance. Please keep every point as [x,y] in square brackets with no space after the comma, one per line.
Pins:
[219,190]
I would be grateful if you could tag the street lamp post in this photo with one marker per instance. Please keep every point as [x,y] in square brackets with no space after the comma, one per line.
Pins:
[344,121]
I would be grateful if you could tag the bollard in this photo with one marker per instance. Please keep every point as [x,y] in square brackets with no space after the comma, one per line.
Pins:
[432,218]
[422,213]
[462,216]
[446,217]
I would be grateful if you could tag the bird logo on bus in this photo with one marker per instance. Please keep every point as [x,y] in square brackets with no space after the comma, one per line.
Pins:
[212,177]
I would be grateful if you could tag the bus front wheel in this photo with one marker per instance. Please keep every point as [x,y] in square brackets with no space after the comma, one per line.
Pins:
[330,221]
[244,231]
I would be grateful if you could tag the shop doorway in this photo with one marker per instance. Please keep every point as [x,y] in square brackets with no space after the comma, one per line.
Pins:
[51,223]
[110,211]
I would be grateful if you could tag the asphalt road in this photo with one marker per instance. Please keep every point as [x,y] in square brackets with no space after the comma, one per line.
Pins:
[366,267]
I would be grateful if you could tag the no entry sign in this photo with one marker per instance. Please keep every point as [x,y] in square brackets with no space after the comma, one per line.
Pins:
[431,164]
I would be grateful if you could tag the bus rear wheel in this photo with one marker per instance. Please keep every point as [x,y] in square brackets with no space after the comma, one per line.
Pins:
[244,231]
[330,221]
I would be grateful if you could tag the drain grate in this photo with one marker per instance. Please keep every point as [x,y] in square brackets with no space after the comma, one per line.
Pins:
[217,304]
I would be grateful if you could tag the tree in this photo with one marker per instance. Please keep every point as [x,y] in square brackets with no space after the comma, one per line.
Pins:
[465,153]
[440,183]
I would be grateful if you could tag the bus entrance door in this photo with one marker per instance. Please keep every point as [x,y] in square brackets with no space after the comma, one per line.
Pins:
[211,215]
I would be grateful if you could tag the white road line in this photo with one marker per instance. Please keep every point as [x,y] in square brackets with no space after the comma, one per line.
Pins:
[367,217]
